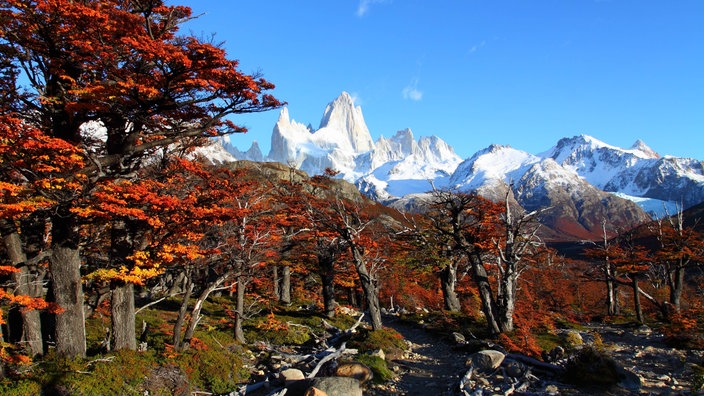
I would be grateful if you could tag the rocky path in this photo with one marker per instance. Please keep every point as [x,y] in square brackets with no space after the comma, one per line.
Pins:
[432,367]
[435,365]
[661,369]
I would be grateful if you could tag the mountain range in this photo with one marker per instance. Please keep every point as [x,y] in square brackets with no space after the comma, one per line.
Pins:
[582,179]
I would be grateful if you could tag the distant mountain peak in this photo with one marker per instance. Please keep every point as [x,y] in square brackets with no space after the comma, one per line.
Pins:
[640,145]
[341,115]
[576,169]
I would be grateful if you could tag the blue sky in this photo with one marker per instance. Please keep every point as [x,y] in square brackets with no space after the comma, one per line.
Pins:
[475,72]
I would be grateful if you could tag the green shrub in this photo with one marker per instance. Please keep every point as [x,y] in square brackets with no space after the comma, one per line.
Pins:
[121,373]
[213,363]
[388,340]
[20,387]
[381,370]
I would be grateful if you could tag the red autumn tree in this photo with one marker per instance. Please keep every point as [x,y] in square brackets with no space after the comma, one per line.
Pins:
[632,261]
[124,65]
[37,172]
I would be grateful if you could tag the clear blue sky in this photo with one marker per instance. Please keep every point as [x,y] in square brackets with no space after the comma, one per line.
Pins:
[477,72]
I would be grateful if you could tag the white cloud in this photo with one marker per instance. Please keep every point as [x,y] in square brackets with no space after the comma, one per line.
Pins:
[356,99]
[476,47]
[364,5]
[412,92]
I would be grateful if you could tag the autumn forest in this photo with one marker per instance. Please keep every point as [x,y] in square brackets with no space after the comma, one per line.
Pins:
[115,233]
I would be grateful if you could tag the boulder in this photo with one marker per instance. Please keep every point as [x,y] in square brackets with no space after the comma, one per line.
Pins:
[572,338]
[485,360]
[291,374]
[514,368]
[354,370]
[313,391]
[458,338]
[338,386]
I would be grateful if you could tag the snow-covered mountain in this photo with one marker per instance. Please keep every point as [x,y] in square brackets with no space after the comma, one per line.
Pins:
[385,169]
[586,178]
[576,206]
[638,173]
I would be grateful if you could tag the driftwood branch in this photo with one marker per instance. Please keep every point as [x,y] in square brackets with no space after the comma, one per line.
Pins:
[337,353]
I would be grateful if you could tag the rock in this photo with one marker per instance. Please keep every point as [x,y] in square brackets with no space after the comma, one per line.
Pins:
[514,369]
[458,338]
[572,338]
[555,354]
[552,390]
[379,353]
[338,386]
[643,330]
[486,360]
[628,380]
[291,374]
[354,370]
[313,391]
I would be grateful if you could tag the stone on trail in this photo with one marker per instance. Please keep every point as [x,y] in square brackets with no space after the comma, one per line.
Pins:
[338,386]
[487,359]
[354,370]
[291,374]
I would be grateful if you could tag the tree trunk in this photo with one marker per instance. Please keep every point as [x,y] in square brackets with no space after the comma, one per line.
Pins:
[636,300]
[25,285]
[285,290]
[371,294]
[326,265]
[481,278]
[181,318]
[276,280]
[676,286]
[448,280]
[328,281]
[352,294]
[123,317]
[198,306]
[65,269]
[507,302]
[239,310]
[612,305]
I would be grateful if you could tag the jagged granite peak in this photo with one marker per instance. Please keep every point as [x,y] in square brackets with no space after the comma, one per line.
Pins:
[394,167]
[253,154]
[290,141]
[341,115]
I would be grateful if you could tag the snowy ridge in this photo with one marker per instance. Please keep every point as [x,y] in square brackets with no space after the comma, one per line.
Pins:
[401,165]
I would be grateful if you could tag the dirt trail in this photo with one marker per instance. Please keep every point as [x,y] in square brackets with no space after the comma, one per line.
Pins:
[433,367]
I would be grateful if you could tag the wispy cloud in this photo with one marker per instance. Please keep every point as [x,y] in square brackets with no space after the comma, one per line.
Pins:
[411,91]
[476,47]
[364,5]
[356,99]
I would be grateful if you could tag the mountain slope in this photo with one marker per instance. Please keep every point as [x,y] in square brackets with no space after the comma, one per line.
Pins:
[581,178]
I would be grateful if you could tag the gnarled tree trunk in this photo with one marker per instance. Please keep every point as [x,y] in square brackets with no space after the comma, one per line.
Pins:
[448,281]
[26,284]
[369,286]
[239,310]
[481,279]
